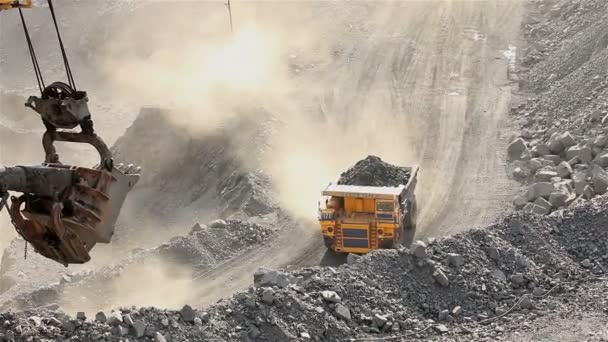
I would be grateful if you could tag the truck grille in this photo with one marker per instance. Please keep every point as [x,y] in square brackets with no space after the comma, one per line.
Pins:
[354,233]
[356,243]
[384,216]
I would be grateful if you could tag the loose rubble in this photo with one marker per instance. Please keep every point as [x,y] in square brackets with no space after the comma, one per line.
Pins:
[463,280]
[563,91]
[373,171]
[201,250]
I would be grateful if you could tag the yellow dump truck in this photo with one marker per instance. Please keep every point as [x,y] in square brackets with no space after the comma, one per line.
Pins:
[358,219]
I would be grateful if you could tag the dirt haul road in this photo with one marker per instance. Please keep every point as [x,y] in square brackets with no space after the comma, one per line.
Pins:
[437,72]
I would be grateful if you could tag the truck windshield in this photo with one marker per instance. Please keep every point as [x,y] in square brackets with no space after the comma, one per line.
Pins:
[385,206]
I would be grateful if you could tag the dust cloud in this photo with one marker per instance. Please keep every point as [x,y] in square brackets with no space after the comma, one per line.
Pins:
[292,59]
[150,282]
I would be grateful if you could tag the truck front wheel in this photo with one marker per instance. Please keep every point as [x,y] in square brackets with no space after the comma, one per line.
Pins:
[409,221]
[330,242]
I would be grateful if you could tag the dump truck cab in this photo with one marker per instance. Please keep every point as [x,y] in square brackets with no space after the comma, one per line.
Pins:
[358,219]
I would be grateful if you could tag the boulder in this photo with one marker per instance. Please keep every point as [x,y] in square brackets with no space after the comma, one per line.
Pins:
[601,160]
[330,296]
[526,303]
[583,153]
[567,140]
[588,192]
[574,161]
[115,318]
[419,250]
[268,296]
[121,330]
[498,275]
[218,224]
[519,201]
[519,173]
[36,320]
[455,260]
[563,170]
[101,317]
[561,199]
[187,313]
[528,208]
[555,146]
[527,134]
[543,203]
[541,150]
[550,132]
[441,278]
[565,185]
[600,141]
[158,337]
[127,320]
[441,328]
[342,312]
[599,178]
[380,320]
[543,175]
[197,228]
[597,151]
[516,149]
[554,159]
[579,178]
[269,278]
[534,164]
[541,189]
[517,279]
[532,208]
[540,210]
[139,327]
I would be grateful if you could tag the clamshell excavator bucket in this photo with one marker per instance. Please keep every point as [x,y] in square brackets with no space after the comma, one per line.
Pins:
[81,213]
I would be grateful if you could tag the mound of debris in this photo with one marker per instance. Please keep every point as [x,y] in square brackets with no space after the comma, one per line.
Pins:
[221,240]
[559,171]
[373,171]
[481,284]
[563,147]
[205,247]
[186,172]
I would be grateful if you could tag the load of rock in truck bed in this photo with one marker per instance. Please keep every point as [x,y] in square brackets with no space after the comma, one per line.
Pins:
[373,171]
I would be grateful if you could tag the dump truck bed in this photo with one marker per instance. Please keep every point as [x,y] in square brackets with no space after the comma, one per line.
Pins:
[381,192]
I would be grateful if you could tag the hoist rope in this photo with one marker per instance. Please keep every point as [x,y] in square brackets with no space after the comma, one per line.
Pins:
[30,46]
[66,63]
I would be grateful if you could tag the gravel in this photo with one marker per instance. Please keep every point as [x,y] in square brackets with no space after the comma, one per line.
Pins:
[488,284]
[373,171]
[561,103]
[387,293]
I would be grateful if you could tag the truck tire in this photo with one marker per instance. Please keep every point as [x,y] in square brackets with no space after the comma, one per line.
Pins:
[330,242]
[408,224]
[409,221]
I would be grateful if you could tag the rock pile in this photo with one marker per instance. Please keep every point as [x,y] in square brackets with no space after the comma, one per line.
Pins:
[202,249]
[563,147]
[204,171]
[373,171]
[559,170]
[457,283]
[221,240]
